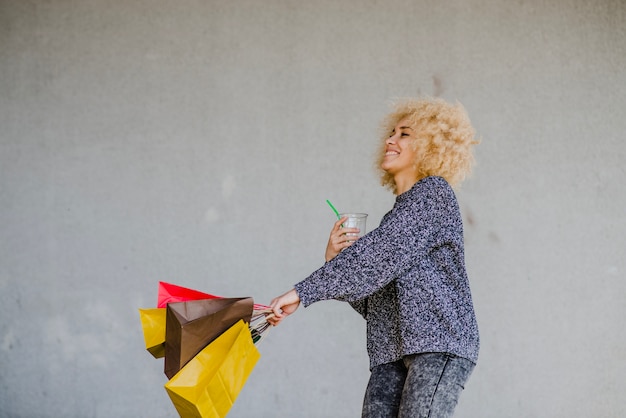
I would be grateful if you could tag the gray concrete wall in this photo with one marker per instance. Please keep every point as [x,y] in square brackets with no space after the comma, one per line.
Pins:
[196,142]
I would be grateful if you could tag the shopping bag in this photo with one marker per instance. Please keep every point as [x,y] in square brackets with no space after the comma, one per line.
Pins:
[170,293]
[191,325]
[209,384]
[153,325]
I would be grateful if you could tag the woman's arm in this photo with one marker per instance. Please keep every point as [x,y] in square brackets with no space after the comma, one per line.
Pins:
[419,221]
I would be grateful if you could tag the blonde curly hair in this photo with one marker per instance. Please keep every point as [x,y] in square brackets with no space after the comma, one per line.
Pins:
[443,142]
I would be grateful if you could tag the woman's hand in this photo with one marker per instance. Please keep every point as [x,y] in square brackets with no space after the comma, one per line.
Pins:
[283,306]
[339,239]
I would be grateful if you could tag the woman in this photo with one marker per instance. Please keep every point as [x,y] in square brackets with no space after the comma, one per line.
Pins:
[407,277]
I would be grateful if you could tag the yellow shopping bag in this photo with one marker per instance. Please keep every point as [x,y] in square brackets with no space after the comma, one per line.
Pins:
[207,386]
[153,325]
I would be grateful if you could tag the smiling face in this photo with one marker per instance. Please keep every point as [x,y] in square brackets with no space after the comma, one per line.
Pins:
[400,155]
[425,137]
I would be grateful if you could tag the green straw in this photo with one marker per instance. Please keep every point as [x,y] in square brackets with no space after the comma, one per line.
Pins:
[333,208]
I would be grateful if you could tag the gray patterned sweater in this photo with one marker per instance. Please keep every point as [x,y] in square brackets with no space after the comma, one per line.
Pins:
[407,278]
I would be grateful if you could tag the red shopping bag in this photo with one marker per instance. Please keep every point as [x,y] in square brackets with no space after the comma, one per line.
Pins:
[170,293]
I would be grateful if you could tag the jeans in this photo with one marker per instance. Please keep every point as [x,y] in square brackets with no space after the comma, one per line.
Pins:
[424,385]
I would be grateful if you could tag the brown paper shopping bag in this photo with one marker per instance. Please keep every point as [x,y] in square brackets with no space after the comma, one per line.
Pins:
[193,324]
[207,386]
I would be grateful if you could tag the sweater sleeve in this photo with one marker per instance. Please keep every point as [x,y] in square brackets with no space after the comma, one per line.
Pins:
[385,253]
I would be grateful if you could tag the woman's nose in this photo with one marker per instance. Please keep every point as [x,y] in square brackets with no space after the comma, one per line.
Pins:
[391,139]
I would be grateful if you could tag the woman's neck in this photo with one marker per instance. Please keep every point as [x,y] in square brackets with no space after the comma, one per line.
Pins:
[404,184]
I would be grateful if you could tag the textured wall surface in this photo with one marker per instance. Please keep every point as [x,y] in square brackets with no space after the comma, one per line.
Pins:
[196,142]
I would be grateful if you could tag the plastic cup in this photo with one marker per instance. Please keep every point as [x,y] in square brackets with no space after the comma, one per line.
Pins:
[355,220]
